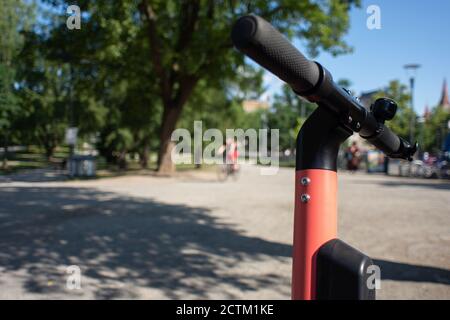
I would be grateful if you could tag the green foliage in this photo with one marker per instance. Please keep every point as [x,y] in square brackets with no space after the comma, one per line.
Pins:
[14,17]
[12,13]
[190,42]
[288,115]
[44,92]
[112,80]
[222,107]
[430,134]
[435,130]
[135,61]
[8,103]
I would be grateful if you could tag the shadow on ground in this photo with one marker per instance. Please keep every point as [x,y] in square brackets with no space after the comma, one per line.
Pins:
[405,182]
[440,184]
[397,271]
[35,175]
[178,250]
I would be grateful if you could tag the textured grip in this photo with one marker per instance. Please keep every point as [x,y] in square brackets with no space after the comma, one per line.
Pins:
[386,141]
[256,38]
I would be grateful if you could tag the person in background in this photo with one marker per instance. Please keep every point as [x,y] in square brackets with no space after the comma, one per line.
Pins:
[232,153]
[353,157]
[229,151]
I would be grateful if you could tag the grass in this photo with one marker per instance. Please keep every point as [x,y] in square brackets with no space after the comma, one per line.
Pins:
[19,161]
[34,157]
[282,163]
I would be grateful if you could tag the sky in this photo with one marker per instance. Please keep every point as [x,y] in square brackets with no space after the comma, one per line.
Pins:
[412,31]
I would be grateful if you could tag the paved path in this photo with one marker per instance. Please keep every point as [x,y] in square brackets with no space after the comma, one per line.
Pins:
[193,237]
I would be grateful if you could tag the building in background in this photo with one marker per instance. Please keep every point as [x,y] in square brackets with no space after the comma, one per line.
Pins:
[427,113]
[255,105]
[445,101]
[367,98]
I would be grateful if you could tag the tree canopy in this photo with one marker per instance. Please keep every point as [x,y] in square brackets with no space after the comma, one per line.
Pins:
[182,45]
[137,69]
[15,16]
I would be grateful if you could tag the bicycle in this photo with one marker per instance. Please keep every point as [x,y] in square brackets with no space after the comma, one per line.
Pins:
[226,170]
[324,267]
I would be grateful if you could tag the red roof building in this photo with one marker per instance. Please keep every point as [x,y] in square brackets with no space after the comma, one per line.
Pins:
[445,102]
[427,113]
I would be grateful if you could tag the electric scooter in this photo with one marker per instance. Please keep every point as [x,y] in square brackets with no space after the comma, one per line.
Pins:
[324,267]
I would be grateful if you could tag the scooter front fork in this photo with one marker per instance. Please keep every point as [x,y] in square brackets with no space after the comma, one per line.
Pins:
[315,223]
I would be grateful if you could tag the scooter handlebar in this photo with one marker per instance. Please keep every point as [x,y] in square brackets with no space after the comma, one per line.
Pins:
[391,144]
[259,40]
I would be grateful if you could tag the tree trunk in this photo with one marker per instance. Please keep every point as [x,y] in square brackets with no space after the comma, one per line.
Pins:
[122,160]
[144,155]
[5,153]
[49,150]
[169,120]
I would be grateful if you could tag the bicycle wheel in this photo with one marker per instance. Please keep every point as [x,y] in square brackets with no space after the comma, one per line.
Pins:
[235,173]
[222,172]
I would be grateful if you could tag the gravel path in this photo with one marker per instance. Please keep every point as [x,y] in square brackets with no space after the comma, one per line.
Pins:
[193,237]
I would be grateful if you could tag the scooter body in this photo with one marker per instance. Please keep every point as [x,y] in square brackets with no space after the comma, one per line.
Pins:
[315,223]
[324,267]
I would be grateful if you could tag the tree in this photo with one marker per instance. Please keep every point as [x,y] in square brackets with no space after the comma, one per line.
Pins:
[14,16]
[189,42]
[44,90]
[8,109]
[111,81]
[435,130]
[221,106]
[288,114]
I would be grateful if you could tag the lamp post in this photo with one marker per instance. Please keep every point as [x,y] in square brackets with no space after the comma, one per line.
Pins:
[421,120]
[411,70]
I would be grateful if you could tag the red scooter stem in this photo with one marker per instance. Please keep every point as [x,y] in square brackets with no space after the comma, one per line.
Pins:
[323,267]
[315,223]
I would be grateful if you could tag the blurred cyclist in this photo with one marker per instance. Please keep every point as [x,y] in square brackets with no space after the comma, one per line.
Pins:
[230,153]
[353,157]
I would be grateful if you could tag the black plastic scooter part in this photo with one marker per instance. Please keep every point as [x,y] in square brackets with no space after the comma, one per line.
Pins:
[259,40]
[319,140]
[342,273]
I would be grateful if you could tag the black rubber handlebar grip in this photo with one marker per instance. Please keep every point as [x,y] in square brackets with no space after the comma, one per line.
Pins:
[387,141]
[256,38]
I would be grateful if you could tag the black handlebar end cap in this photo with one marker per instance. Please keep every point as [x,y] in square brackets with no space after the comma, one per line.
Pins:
[260,41]
[244,31]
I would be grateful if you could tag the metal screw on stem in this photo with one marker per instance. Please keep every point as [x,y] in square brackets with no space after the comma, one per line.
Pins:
[305,181]
[305,197]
